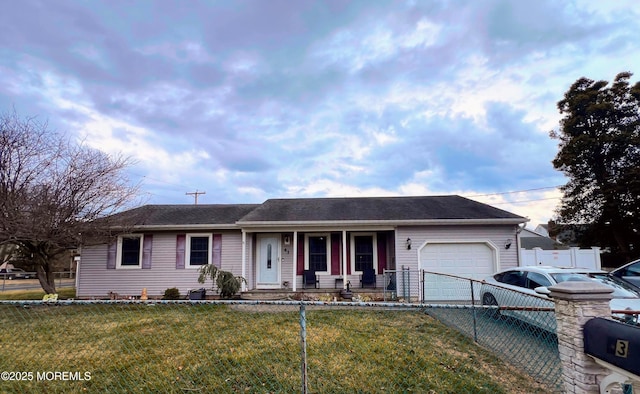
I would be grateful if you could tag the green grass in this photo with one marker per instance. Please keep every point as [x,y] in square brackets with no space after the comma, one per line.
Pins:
[63,293]
[177,348]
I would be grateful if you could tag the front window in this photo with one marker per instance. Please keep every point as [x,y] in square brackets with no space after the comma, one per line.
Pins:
[363,252]
[198,251]
[129,253]
[317,257]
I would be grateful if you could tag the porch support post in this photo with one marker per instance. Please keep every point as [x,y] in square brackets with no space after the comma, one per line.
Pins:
[344,259]
[244,259]
[295,260]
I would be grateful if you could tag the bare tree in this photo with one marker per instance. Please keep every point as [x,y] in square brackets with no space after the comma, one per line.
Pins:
[55,194]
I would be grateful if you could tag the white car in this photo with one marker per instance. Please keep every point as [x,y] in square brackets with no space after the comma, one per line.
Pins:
[520,291]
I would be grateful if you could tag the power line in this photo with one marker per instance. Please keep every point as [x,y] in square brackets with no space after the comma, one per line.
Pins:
[182,186]
[515,191]
[523,201]
[196,193]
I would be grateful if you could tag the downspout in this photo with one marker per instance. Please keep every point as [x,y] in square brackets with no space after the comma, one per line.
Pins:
[518,246]
[78,269]
[295,260]
[244,259]
[344,259]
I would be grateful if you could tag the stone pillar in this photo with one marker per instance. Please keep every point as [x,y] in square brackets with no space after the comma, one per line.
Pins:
[575,304]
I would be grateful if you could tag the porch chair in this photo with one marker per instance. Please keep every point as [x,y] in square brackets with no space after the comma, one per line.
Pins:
[368,278]
[309,278]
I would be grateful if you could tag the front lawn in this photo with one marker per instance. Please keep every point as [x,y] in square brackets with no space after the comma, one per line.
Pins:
[63,293]
[184,347]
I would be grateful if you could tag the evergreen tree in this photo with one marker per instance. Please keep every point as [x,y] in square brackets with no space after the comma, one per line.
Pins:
[599,151]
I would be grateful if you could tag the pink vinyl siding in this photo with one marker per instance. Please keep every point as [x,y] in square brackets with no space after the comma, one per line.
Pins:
[98,274]
[422,235]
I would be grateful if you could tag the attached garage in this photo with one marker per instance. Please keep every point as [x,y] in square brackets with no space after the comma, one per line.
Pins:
[475,260]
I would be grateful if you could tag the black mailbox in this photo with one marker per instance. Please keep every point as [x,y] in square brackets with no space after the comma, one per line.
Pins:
[613,342]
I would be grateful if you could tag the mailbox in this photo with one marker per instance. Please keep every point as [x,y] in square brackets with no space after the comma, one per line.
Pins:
[613,342]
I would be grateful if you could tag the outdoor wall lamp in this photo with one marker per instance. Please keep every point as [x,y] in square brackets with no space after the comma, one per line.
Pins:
[507,244]
[408,243]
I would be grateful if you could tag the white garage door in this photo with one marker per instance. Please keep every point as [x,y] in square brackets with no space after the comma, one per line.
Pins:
[469,260]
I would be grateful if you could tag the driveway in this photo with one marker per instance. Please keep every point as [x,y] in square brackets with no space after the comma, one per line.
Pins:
[530,349]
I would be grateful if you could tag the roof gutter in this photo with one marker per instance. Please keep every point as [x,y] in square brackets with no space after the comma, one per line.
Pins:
[328,223]
[356,223]
[167,227]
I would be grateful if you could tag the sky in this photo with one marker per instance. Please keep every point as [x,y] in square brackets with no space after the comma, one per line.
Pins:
[258,99]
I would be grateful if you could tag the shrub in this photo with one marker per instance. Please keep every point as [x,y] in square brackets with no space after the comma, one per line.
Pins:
[171,294]
[228,285]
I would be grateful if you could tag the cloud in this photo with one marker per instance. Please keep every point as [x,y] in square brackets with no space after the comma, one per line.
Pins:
[374,41]
[251,99]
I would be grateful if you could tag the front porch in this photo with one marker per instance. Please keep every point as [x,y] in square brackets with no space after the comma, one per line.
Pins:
[325,259]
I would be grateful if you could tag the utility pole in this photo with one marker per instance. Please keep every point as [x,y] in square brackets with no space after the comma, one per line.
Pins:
[195,195]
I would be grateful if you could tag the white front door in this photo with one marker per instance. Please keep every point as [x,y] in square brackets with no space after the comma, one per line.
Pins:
[268,258]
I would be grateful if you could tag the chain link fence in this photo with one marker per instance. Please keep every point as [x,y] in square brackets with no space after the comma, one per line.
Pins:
[402,285]
[518,327]
[242,346]
[28,280]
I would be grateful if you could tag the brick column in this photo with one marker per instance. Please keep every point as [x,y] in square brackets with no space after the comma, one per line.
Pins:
[575,304]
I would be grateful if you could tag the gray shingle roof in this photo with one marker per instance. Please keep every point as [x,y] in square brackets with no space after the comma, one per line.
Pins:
[169,215]
[310,210]
[543,243]
[375,209]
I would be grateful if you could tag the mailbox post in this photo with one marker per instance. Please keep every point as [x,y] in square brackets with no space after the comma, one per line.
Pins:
[575,304]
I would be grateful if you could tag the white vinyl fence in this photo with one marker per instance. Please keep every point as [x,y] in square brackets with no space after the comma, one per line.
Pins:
[572,257]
